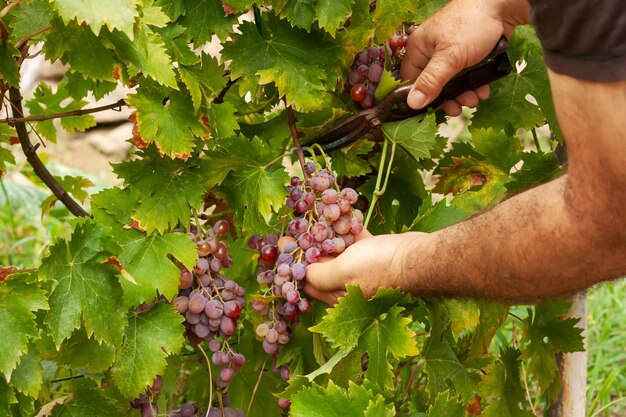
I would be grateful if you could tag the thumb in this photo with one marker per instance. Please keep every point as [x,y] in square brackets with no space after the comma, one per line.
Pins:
[439,70]
[322,275]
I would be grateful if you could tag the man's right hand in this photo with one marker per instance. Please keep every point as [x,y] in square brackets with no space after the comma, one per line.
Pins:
[458,36]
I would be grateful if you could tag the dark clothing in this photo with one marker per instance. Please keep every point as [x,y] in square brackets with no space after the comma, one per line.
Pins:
[584,39]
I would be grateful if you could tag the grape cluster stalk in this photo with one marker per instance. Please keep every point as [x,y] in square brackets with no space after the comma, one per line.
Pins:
[324,223]
[212,303]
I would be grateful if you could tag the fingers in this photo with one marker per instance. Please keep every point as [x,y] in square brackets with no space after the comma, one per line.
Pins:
[322,275]
[330,298]
[468,99]
[439,70]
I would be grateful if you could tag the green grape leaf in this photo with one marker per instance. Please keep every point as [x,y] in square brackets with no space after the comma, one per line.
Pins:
[46,102]
[80,351]
[73,185]
[545,335]
[19,299]
[334,401]
[171,126]
[67,43]
[86,291]
[290,59]
[115,14]
[88,401]
[7,397]
[332,14]
[78,87]
[6,157]
[28,376]
[146,54]
[508,106]
[538,168]
[446,406]
[203,18]
[9,70]
[300,13]
[416,135]
[387,16]
[464,316]
[442,364]
[347,161]
[492,315]
[387,84]
[28,18]
[154,16]
[173,8]
[204,80]
[501,382]
[145,259]
[426,9]
[251,188]
[497,148]
[167,195]
[148,339]
[375,326]
[222,120]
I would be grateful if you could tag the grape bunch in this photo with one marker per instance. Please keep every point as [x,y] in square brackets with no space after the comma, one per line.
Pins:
[145,403]
[324,223]
[368,66]
[188,409]
[210,302]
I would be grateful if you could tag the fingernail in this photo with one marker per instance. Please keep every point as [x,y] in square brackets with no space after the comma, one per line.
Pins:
[416,99]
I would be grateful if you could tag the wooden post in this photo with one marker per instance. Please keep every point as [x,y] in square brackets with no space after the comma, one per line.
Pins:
[571,401]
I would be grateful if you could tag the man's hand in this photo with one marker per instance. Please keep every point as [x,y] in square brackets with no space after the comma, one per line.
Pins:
[371,262]
[458,36]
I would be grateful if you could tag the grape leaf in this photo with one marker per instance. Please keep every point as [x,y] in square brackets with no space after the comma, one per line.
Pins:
[300,13]
[507,106]
[203,18]
[172,126]
[67,43]
[88,401]
[347,161]
[464,316]
[546,335]
[115,14]
[148,339]
[492,315]
[146,54]
[29,18]
[388,14]
[426,9]
[28,376]
[85,289]
[6,157]
[333,401]
[154,16]
[251,188]
[73,185]
[497,148]
[173,8]
[538,168]
[46,102]
[442,364]
[290,58]
[416,135]
[204,80]
[446,406]
[7,397]
[222,120]
[465,174]
[502,381]
[9,70]
[332,14]
[19,299]
[375,326]
[80,351]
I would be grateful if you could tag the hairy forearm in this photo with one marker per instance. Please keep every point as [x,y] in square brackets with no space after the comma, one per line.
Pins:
[531,246]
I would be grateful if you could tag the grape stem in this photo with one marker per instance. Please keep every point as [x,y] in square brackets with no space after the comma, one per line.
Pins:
[380,190]
[294,135]
[256,387]
[208,365]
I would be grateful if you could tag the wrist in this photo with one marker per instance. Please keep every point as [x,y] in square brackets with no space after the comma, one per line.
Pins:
[511,12]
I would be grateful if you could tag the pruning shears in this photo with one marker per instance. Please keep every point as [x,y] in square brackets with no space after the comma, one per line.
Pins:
[393,107]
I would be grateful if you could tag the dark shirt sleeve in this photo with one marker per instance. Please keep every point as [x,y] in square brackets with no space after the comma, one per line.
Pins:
[585,39]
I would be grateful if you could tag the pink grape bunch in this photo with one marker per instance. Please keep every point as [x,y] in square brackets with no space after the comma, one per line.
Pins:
[146,403]
[324,224]
[212,303]
[368,66]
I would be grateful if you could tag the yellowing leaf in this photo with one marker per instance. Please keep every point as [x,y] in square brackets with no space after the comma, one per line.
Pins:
[115,14]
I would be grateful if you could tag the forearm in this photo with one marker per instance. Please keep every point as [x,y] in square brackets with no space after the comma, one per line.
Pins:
[531,246]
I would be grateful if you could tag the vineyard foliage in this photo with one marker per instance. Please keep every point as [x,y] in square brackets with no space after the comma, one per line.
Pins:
[214,134]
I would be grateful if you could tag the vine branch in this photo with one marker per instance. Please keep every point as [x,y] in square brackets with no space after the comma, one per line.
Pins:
[13,121]
[19,44]
[8,8]
[294,135]
[30,152]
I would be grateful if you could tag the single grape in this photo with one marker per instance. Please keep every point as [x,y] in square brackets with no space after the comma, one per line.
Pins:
[375,72]
[227,374]
[349,194]
[304,305]
[186,279]
[215,265]
[149,410]
[373,52]
[312,255]
[203,248]
[214,345]
[187,410]
[214,309]
[197,302]
[232,309]
[309,168]
[356,226]
[328,246]
[293,297]
[262,329]
[192,318]
[221,227]
[329,196]
[358,92]
[331,213]
[201,330]
[362,58]
[305,240]
[271,336]
[369,101]
[270,348]
[284,403]
[227,326]
[140,401]
[355,77]
[395,40]
[340,244]
[298,271]
[238,361]
[181,304]
[253,240]
[269,253]
[222,252]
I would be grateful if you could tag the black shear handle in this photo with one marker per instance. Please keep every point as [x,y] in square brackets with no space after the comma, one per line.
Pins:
[492,68]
